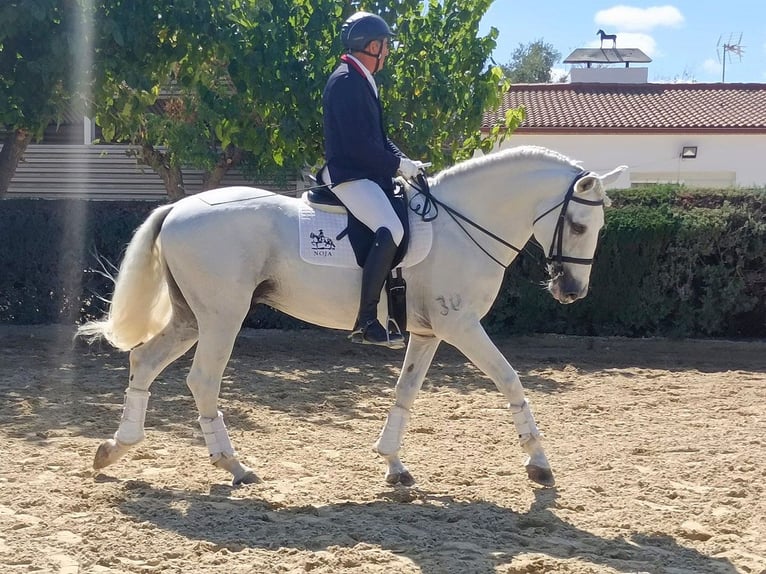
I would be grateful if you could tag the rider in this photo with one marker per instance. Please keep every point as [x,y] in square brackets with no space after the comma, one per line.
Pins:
[362,161]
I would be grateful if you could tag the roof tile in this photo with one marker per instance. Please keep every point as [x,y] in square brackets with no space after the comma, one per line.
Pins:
[614,107]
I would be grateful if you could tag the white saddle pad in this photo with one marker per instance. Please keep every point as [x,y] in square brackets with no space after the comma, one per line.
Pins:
[319,230]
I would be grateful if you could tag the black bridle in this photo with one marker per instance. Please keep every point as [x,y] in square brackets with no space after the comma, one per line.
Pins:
[554,256]
[558,257]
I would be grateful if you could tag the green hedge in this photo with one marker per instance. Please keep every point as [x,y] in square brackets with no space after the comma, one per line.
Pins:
[50,251]
[671,262]
[58,255]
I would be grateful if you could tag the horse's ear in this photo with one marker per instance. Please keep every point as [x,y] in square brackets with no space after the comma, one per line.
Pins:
[609,178]
[586,183]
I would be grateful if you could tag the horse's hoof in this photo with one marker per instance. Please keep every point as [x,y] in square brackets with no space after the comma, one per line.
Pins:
[542,476]
[108,452]
[248,478]
[403,478]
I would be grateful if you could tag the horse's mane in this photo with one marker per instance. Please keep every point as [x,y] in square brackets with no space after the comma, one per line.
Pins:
[529,152]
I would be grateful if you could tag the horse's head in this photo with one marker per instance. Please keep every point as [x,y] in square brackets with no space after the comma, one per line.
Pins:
[570,229]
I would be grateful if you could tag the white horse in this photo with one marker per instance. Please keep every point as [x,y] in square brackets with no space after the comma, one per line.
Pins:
[194,268]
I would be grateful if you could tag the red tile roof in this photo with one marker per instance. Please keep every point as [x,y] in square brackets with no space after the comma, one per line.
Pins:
[593,107]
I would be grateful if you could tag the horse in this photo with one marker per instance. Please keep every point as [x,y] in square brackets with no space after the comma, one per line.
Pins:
[605,36]
[193,269]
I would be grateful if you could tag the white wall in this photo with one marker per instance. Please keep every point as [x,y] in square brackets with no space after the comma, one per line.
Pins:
[722,160]
[609,75]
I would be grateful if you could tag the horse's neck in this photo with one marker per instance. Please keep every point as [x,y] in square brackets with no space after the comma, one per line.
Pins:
[496,191]
[504,199]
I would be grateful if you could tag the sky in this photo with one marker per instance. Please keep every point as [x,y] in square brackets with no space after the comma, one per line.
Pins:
[684,38]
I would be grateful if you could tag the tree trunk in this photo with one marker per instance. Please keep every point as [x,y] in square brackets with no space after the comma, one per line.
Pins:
[171,174]
[231,158]
[12,152]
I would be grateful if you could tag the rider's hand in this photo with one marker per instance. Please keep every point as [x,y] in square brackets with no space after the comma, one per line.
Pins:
[408,168]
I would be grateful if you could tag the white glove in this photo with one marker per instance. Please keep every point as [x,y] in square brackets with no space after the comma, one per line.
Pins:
[408,169]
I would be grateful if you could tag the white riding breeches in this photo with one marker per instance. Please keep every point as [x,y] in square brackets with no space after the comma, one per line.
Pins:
[369,204]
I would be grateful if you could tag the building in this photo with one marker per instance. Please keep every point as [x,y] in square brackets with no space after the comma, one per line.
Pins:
[108,172]
[700,135]
[69,165]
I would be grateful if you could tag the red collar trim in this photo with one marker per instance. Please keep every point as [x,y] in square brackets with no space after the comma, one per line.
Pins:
[349,60]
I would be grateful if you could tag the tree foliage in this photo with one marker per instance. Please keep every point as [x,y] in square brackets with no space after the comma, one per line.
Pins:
[43,70]
[162,85]
[245,79]
[216,84]
[532,63]
[437,85]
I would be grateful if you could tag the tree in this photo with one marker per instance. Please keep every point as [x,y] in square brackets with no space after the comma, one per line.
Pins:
[438,81]
[42,70]
[212,84]
[215,84]
[532,63]
[155,62]
[246,77]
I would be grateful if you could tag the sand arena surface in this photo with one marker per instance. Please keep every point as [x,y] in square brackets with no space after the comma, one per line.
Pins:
[659,451]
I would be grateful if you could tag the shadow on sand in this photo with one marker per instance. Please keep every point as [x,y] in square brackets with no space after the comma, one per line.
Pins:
[438,533]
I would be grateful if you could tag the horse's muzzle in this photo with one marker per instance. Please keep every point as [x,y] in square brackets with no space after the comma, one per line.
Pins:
[564,287]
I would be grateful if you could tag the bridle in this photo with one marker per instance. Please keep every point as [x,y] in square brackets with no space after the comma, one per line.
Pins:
[558,258]
[554,257]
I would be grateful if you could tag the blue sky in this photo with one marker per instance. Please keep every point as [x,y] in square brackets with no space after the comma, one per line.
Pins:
[680,37]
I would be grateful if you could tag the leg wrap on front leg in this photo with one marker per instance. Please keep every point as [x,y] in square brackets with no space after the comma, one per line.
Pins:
[131,429]
[525,422]
[390,439]
[530,437]
[216,438]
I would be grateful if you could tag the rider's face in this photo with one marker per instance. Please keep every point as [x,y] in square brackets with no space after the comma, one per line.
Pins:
[383,45]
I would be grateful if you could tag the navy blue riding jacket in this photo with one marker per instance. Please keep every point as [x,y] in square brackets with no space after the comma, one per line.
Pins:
[356,144]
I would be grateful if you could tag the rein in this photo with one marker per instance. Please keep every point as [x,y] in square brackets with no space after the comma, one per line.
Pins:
[431,203]
[421,186]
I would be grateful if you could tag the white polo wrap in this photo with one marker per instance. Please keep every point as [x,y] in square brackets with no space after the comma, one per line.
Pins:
[390,439]
[216,438]
[131,429]
[524,422]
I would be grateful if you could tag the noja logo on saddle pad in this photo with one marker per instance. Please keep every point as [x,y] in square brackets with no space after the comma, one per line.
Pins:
[321,245]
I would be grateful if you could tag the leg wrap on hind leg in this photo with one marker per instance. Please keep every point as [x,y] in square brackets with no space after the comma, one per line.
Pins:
[390,439]
[131,429]
[525,422]
[216,438]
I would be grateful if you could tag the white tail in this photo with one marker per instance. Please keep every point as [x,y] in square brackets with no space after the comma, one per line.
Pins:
[140,305]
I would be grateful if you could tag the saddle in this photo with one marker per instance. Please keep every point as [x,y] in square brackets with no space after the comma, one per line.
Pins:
[362,237]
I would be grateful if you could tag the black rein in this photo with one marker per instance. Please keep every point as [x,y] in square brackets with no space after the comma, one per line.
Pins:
[421,186]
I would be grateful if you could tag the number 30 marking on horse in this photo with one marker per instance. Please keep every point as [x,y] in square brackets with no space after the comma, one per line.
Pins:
[454,301]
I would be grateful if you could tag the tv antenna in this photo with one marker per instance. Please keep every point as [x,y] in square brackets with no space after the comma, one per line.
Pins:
[727,49]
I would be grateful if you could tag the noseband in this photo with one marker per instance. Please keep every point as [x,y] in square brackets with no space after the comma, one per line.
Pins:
[554,257]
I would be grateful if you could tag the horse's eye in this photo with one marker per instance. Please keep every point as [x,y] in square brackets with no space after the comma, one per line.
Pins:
[577,228]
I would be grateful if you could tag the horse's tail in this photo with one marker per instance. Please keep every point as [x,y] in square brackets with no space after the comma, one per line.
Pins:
[140,306]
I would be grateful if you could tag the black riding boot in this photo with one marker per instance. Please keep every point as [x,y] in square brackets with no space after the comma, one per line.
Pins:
[376,268]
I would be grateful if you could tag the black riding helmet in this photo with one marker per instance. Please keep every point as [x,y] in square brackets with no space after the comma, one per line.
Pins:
[362,28]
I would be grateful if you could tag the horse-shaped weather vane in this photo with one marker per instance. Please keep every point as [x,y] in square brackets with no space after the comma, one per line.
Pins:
[605,36]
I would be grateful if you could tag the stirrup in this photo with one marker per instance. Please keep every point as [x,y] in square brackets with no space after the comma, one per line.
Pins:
[372,333]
